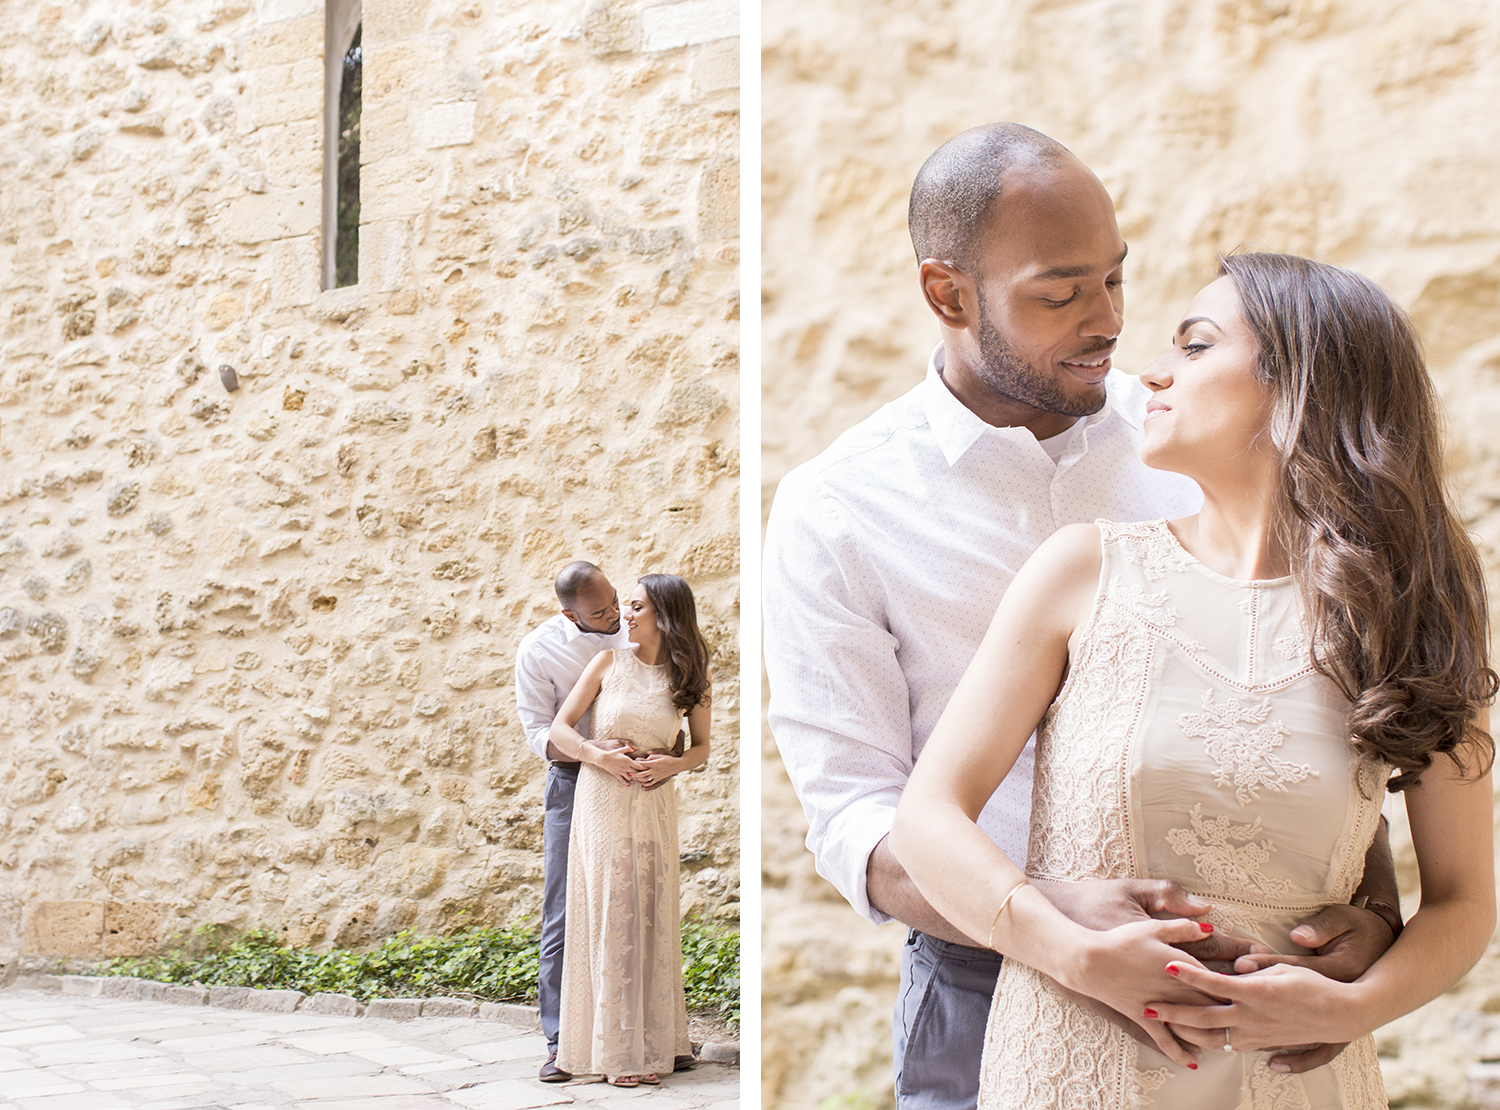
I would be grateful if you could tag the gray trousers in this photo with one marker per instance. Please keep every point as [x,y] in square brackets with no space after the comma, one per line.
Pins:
[939,1025]
[557,822]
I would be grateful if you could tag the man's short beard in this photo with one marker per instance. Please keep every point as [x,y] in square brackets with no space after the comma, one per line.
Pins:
[1011,376]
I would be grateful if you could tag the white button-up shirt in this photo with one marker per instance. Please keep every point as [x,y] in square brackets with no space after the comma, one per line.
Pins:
[885,559]
[549,662]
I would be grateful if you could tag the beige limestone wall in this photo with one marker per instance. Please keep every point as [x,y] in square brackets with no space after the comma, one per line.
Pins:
[256,646]
[1363,133]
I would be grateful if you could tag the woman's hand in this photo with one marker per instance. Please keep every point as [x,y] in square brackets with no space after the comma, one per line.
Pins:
[1125,968]
[656,768]
[614,757]
[1278,1006]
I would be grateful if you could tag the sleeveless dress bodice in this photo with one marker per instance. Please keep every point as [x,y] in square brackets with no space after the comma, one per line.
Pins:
[1191,741]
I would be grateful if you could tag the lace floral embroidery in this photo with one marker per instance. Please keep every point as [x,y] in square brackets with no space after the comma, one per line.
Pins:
[1269,1090]
[1042,1050]
[1153,607]
[1291,648]
[1151,547]
[1243,754]
[1078,792]
[1146,1082]
[1358,1072]
[1229,857]
[1235,921]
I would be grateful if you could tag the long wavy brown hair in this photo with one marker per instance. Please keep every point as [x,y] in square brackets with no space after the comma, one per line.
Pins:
[1391,584]
[684,646]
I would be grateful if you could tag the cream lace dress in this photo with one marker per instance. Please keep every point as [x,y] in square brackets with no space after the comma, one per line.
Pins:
[1192,741]
[622,1005]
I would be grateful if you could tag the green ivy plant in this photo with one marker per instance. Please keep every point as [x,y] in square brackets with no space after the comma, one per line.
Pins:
[488,964]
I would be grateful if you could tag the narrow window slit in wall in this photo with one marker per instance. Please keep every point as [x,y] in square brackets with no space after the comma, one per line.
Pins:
[343,75]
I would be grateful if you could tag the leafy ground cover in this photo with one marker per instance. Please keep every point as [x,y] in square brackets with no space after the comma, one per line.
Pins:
[494,965]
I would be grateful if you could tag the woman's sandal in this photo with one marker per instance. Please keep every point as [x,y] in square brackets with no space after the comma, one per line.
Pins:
[623,1080]
[650,1078]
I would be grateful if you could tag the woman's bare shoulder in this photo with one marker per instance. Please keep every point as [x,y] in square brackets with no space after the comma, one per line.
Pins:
[1071,554]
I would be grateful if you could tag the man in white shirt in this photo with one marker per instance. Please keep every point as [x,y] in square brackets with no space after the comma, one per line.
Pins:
[548,663]
[886,557]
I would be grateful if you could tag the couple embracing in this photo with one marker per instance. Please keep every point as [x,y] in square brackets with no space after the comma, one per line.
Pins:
[616,699]
[1247,609]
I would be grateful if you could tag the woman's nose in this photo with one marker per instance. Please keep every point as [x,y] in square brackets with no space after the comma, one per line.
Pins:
[1158,374]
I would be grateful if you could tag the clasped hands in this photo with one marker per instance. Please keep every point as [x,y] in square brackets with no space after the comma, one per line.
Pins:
[621,759]
[1212,989]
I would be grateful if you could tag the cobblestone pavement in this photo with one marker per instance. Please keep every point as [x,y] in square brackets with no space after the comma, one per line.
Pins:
[61,1052]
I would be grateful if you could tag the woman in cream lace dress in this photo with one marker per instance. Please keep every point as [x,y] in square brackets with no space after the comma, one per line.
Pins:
[623,1014]
[1221,701]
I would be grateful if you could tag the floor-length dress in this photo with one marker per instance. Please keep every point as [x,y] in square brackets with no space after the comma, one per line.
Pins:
[622,1004]
[1192,741]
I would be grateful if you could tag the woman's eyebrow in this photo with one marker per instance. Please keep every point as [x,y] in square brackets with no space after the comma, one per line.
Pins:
[1191,320]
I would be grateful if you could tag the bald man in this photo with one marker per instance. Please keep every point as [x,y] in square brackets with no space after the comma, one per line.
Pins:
[887,555]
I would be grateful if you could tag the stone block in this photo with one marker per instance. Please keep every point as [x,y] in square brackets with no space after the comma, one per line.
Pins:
[287,94]
[724,1052]
[293,152]
[719,199]
[296,271]
[394,187]
[450,124]
[329,1003]
[394,18]
[131,928]
[65,929]
[383,130]
[394,69]
[85,986]
[385,258]
[284,42]
[37,981]
[511,1013]
[262,217]
[716,68]
[185,996]
[276,11]
[394,1009]
[669,26]
[449,1007]
[230,998]
[272,1002]
[611,27]
[133,989]
[223,310]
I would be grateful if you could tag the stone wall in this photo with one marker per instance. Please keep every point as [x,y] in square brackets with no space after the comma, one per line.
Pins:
[1363,133]
[266,550]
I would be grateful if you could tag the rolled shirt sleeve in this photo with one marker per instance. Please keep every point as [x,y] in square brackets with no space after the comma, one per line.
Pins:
[839,706]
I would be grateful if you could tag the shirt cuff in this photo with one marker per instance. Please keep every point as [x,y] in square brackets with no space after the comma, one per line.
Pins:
[537,742]
[842,850]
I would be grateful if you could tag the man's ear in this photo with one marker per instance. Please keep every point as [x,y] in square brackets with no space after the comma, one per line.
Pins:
[950,293]
[572,616]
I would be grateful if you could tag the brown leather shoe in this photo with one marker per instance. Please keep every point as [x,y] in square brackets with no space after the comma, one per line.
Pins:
[550,1072]
[684,1063]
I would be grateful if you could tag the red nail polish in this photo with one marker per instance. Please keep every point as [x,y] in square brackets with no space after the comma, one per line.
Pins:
[1152,1014]
[1193,1066]
[1205,926]
[1172,969]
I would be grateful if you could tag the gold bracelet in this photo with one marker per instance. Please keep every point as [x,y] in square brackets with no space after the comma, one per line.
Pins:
[1011,893]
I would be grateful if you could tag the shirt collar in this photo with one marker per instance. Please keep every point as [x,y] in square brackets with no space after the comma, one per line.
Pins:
[957,429]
